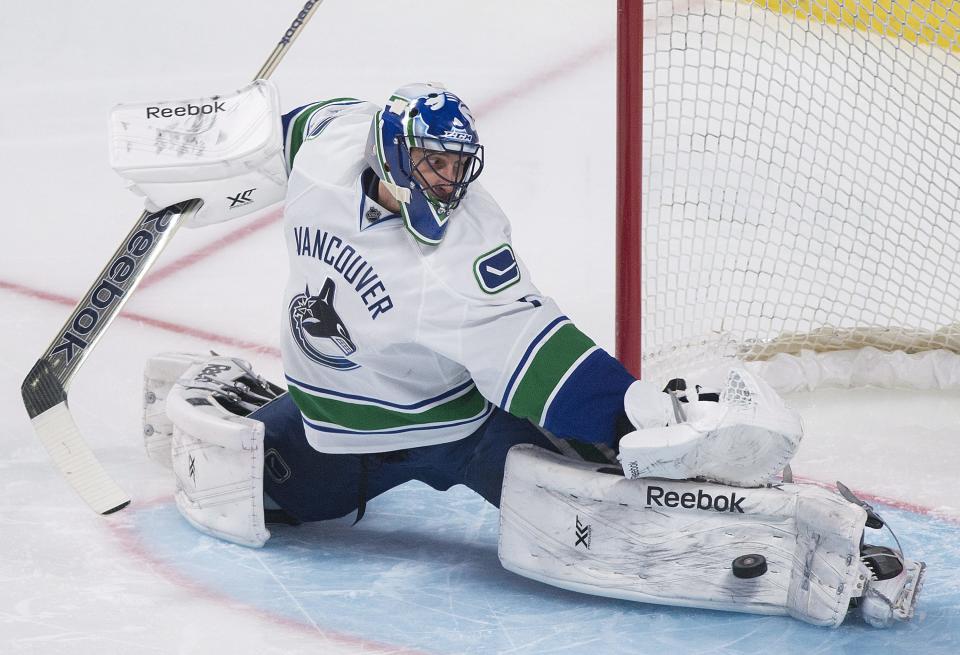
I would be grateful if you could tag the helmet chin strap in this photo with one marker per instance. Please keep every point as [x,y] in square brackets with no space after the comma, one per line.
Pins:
[399,193]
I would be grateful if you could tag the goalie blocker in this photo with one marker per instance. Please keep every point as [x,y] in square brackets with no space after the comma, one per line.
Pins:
[798,549]
[226,150]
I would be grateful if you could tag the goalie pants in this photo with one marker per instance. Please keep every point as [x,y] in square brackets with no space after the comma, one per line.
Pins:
[313,486]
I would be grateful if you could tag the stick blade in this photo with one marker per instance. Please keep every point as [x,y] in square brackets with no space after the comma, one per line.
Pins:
[59,434]
[45,400]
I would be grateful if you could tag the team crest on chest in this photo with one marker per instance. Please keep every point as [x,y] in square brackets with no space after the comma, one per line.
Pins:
[318,329]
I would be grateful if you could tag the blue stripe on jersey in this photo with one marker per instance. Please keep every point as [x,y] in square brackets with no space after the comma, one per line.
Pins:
[378,401]
[589,403]
[526,355]
[412,428]
[287,119]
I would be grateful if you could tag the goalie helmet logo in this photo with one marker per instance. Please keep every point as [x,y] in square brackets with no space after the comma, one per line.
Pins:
[318,330]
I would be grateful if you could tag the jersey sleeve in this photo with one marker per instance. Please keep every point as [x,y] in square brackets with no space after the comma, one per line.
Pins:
[529,358]
[308,122]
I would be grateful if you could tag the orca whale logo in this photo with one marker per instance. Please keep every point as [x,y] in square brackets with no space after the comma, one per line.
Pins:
[318,330]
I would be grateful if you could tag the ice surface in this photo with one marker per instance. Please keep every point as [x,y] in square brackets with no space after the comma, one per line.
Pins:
[419,574]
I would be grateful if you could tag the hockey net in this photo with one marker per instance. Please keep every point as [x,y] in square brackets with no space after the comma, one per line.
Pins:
[801,183]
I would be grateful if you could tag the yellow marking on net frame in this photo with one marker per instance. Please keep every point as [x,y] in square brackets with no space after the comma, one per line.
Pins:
[920,22]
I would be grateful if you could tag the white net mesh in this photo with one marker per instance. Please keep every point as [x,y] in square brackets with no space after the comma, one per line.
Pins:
[736,391]
[802,178]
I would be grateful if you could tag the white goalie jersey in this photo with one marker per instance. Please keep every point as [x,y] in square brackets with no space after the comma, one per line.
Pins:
[389,343]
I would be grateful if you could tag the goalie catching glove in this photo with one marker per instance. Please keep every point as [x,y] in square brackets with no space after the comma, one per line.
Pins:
[741,435]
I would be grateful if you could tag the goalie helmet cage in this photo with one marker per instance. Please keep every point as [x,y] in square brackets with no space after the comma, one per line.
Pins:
[788,179]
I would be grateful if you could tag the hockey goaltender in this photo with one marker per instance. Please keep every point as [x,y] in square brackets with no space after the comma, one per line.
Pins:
[416,347]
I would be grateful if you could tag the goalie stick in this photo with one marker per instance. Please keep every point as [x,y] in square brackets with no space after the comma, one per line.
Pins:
[44,390]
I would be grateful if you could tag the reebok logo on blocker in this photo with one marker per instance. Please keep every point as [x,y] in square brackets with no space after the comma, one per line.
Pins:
[188,110]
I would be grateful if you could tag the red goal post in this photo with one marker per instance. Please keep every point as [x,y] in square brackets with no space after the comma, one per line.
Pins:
[629,180]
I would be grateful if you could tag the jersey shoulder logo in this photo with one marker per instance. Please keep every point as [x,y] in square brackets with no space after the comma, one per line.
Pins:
[496,270]
[318,330]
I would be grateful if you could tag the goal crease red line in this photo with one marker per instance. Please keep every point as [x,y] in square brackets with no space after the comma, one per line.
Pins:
[215,246]
[168,326]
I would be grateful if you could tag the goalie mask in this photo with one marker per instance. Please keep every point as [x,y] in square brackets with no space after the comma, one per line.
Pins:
[424,147]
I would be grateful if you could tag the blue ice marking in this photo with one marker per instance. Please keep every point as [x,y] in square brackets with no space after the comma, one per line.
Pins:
[421,572]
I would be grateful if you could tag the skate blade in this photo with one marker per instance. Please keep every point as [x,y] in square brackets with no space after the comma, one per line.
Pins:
[907,603]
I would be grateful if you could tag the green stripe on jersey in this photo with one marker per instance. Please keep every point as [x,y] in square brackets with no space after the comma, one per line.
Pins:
[362,417]
[299,126]
[548,368]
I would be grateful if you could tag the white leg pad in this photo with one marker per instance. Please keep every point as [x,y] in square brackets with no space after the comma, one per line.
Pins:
[159,375]
[218,464]
[585,528]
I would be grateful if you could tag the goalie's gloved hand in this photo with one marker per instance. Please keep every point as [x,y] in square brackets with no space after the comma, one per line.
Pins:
[232,382]
[693,403]
[743,438]
[647,406]
[684,393]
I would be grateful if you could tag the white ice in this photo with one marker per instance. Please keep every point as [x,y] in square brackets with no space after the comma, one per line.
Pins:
[420,573]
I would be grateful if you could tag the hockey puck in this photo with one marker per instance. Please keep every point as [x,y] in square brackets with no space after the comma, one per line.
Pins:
[749,566]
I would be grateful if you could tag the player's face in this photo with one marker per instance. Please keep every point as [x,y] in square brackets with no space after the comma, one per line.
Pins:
[439,172]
